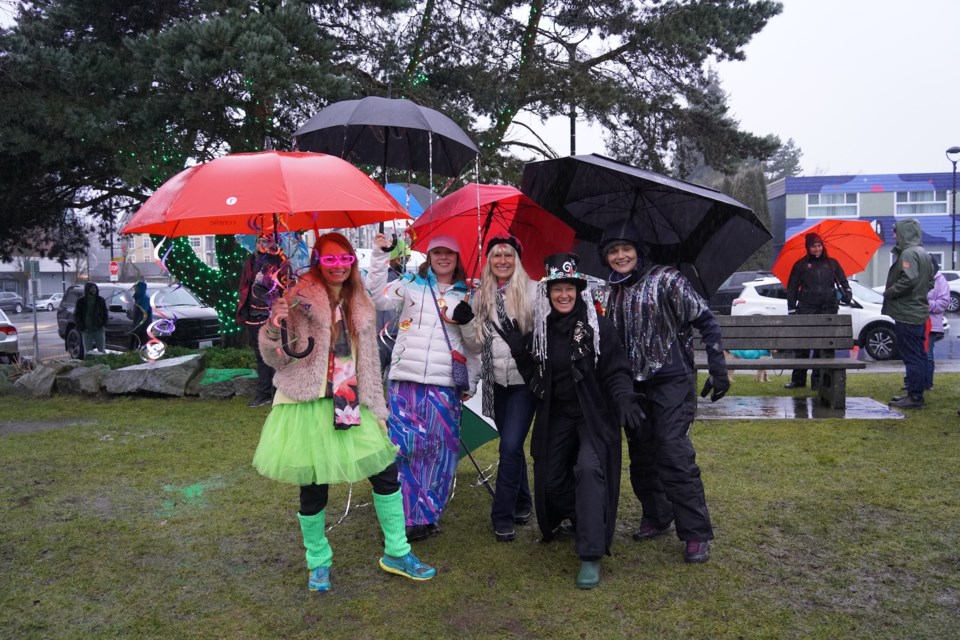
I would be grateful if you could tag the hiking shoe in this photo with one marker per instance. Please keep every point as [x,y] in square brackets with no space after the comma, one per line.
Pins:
[504,534]
[433,529]
[648,530]
[408,566]
[522,517]
[565,528]
[417,532]
[319,579]
[908,402]
[259,402]
[793,385]
[697,551]
[589,575]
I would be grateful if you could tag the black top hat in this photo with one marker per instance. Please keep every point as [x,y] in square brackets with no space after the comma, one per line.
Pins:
[563,267]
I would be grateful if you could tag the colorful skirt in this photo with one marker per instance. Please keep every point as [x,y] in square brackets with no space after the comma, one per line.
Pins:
[299,445]
[425,423]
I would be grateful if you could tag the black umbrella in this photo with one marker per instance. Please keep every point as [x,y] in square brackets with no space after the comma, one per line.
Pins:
[388,132]
[704,233]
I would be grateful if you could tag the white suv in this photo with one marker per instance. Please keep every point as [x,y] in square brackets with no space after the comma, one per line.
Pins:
[953,281]
[872,330]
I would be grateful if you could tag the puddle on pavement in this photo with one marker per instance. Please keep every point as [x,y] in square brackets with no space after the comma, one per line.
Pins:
[792,408]
[7,428]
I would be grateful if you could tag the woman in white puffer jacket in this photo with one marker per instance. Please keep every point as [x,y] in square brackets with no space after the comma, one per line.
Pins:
[425,404]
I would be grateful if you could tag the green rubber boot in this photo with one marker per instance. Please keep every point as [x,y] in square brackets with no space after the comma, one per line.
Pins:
[390,513]
[319,554]
[589,575]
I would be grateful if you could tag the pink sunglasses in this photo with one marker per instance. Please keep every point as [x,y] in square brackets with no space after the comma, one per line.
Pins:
[344,259]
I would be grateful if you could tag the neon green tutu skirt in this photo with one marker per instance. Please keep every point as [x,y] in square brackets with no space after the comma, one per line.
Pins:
[299,445]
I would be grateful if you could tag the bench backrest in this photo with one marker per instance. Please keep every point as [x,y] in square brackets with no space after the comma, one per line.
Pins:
[834,331]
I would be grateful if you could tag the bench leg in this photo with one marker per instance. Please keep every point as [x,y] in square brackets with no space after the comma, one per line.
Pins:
[833,388]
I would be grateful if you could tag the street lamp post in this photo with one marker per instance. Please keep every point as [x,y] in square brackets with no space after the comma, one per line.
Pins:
[953,154]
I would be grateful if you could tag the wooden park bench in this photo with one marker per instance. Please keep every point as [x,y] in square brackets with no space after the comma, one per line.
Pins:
[782,335]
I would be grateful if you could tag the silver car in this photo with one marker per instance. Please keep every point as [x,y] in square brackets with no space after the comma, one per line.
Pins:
[9,341]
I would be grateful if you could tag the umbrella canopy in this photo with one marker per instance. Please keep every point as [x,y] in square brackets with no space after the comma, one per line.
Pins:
[414,197]
[852,243]
[386,132]
[249,192]
[475,213]
[704,233]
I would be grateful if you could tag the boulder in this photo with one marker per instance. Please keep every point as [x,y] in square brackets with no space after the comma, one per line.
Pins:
[40,381]
[82,380]
[172,377]
[246,387]
[223,390]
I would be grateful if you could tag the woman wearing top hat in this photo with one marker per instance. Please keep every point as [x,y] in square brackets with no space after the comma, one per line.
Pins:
[578,371]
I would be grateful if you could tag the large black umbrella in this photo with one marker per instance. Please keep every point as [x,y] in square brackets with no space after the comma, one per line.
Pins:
[703,232]
[388,132]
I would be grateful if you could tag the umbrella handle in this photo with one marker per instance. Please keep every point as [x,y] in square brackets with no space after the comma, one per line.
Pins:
[393,245]
[285,343]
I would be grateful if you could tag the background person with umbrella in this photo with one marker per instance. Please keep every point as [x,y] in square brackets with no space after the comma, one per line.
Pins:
[655,309]
[425,397]
[327,422]
[506,291]
[816,285]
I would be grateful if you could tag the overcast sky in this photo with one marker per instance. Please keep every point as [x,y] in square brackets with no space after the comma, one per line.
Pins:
[862,86]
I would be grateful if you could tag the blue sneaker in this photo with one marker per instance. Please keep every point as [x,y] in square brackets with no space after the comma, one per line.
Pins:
[319,579]
[408,566]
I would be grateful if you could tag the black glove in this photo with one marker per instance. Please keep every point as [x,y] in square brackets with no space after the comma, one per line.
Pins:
[720,384]
[511,334]
[847,296]
[631,415]
[462,313]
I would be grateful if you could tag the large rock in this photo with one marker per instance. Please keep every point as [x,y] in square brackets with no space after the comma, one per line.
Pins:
[82,380]
[218,390]
[172,377]
[40,381]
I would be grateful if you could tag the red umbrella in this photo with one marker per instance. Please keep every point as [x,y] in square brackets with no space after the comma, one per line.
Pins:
[246,192]
[850,242]
[475,213]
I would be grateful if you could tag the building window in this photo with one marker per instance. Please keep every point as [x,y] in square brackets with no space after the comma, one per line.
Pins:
[210,243]
[833,205]
[918,203]
[132,242]
[938,256]
[195,242]
[146,242]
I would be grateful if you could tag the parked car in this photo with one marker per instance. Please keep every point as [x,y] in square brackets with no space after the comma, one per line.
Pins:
[953,281]
[872,330]
[196,325]
[9,341]
[721,301]
[48,302]
[10,301]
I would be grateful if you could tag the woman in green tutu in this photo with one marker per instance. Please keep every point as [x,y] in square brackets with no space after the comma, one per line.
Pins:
[327,424]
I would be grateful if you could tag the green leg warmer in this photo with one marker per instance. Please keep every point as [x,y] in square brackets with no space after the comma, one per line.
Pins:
[319,553]
[390,513]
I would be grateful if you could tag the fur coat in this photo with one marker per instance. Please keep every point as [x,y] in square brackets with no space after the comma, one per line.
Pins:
[305,379]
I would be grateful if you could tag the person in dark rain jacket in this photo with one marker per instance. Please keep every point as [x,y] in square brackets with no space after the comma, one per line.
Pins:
[578,371]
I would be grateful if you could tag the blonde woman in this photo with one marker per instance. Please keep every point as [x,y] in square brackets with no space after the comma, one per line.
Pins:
[506,291]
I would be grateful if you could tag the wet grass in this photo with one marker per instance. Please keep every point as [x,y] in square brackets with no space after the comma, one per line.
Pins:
[143,518]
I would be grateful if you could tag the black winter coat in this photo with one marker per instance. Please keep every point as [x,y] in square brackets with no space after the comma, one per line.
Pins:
[813,284]
[599,385]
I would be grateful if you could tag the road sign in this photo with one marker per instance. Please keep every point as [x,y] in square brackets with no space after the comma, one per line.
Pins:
[114,270]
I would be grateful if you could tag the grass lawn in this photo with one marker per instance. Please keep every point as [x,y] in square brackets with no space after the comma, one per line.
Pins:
[142,518]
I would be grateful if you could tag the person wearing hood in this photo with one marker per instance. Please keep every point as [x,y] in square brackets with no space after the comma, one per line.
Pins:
[90,315]
[577,370]
[939,301]
[425,395]
[655,309]
[909,281]
[812,289]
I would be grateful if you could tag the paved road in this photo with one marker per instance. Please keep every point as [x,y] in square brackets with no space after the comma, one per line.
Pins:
[50,344]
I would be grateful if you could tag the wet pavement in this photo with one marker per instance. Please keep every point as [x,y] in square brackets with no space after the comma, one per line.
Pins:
[793,408]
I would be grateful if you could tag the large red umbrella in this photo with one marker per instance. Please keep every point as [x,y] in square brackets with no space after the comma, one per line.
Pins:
[251,192]
[851,242]
[475,213]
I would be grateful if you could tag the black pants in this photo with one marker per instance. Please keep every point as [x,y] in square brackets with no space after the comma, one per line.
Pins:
[313,497]
[575,483]
[264,371]
[799,376]
[663,467]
